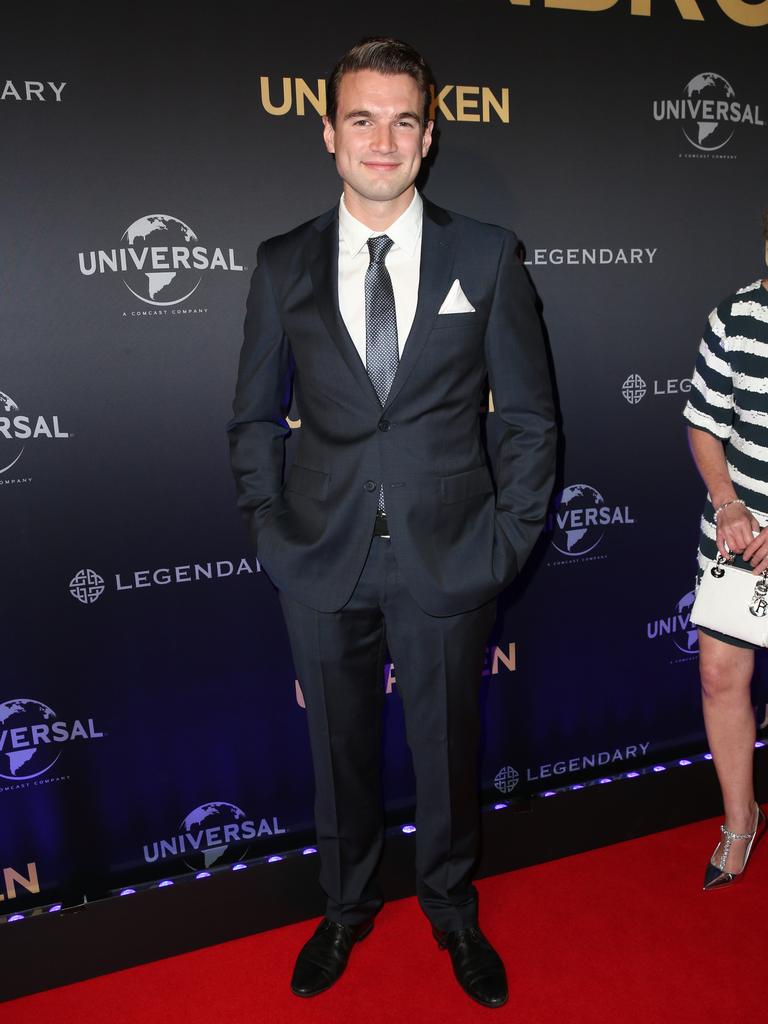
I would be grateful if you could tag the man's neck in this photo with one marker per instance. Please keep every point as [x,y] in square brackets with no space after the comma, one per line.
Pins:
[377,216]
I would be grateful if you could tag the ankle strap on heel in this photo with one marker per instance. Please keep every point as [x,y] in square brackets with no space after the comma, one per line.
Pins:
[730,839]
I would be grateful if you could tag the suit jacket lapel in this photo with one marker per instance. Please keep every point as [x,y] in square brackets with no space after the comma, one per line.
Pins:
[323,263]
[438,253]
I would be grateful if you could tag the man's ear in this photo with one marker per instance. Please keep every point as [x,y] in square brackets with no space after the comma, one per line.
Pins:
[328,135]
[426,139]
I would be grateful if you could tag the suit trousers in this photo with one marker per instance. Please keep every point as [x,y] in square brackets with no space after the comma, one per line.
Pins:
[339,658]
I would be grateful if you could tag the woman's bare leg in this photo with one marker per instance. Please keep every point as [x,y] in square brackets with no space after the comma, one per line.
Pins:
[726,674]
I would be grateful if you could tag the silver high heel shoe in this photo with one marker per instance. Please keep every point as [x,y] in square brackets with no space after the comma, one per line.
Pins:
[716,876]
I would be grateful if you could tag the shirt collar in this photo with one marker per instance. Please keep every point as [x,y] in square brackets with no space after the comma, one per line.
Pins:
[405,232]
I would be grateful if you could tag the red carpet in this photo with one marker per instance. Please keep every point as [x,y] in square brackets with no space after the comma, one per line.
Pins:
[623,933]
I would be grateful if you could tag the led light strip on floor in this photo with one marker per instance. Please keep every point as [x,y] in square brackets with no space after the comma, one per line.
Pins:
[305,851]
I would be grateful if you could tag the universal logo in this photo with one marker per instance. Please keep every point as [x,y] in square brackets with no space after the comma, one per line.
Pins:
[709,115]
[87,586]
[578,520]
[680,632]
[32,738]
[17,430]
[160,264]
[634,388]
[213,833]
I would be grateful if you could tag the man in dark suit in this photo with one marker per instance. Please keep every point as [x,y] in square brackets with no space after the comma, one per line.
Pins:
[391,317]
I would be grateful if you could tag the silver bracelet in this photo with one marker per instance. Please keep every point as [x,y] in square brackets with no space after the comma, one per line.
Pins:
[733,501]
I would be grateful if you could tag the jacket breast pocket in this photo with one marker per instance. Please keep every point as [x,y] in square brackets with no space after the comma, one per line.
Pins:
[461,486]
[444,320]
[309,482]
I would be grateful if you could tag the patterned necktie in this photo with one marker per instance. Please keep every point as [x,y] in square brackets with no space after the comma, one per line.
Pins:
[381,351]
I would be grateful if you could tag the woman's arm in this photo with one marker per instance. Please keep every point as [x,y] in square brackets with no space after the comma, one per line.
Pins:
[735,524]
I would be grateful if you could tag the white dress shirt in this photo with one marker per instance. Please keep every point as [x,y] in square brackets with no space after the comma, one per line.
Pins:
[403,263]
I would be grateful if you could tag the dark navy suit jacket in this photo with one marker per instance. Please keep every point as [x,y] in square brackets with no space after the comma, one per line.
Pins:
[457,539]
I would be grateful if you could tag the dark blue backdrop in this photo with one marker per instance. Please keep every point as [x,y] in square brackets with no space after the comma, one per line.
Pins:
[132,604]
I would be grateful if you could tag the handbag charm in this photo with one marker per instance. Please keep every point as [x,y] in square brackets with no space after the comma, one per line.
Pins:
[759,605]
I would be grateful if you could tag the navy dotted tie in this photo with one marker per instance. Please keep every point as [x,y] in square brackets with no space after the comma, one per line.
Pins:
[381,351]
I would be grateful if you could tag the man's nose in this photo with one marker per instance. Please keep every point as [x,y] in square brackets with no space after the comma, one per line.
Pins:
[383,139]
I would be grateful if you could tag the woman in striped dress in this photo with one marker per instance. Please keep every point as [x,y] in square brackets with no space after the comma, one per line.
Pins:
[728,432]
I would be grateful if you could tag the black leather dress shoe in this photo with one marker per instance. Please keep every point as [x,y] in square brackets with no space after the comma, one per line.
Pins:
[476,964]
[322,960]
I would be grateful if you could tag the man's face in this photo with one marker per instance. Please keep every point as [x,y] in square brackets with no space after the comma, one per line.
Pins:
[377,137]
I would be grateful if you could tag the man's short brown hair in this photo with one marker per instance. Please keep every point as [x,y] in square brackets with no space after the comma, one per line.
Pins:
[388,57]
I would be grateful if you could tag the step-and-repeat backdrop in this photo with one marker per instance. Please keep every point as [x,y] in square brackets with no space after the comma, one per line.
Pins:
[150,720]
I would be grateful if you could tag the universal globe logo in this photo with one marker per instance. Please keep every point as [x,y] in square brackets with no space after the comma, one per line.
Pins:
[708,112]
[15,450]
[678,627]
[214,833]
[160,262]
[16,429]
[579,518]
[31,734]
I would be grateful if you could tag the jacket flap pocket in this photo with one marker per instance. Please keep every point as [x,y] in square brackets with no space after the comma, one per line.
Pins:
[461,486]
[310,482]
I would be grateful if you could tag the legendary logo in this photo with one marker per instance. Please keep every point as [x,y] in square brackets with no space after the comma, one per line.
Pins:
[601,759]
[678,627]
[18,429]
[30,90]
[579,518]
[601,257]
[634,387]
[87,586]
[31,738]
[214,833]
[506,779]
[708,112]
[160,261]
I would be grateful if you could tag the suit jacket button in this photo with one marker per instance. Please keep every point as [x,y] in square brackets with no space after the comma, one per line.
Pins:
[370,485]
[384,425]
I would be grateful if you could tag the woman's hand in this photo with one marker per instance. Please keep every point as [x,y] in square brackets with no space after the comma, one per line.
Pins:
[736,529]
[756,552]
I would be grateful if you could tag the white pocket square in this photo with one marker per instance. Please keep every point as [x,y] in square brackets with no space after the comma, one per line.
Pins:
[456,301]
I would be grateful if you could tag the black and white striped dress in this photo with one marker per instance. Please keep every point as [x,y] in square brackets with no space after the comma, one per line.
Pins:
[729,399]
